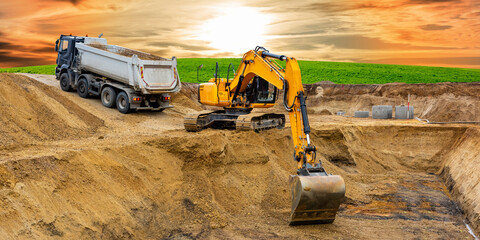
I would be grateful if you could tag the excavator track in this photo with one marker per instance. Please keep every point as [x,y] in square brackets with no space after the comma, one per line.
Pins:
[194,122]
[260,121]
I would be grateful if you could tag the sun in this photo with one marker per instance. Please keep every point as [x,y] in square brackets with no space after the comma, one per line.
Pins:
[235,29]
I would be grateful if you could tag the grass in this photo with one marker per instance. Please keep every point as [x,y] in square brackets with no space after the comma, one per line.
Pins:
[315,71]
[44,69]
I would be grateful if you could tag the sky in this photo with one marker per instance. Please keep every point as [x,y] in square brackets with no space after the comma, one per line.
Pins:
[413,32]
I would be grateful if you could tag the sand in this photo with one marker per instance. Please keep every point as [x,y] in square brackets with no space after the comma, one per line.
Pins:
[435,102]
[128,52]
[33,111]
[141,176]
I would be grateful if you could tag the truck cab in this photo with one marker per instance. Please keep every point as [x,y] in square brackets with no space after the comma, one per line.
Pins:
[65,47]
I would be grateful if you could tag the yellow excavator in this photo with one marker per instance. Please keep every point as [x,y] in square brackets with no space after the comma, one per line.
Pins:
[316,195]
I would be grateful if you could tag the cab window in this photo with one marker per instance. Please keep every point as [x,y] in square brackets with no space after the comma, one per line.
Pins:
[64,46]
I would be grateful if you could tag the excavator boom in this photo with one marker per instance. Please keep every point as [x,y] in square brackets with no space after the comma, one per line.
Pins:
[316,195]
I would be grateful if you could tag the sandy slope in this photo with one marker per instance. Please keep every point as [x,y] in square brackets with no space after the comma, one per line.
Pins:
[108,175]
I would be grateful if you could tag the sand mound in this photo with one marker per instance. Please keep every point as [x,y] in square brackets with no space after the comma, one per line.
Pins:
[186,101]
[128,52]
[32,111]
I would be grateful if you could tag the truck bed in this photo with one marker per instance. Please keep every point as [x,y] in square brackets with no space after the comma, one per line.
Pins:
[144,72]
[126,52]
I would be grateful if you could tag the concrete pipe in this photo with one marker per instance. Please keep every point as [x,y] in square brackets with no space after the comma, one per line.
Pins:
[361,114]
[382,112]
[402,112]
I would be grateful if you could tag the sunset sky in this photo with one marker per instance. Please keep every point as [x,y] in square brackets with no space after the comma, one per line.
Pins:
[416,32]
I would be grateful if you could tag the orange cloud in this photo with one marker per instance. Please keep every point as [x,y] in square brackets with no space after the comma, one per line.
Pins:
[428,32]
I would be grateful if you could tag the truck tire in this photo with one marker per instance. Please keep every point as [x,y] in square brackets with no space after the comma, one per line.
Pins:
[65,82]
[82,88]
[123,103]
[108,97]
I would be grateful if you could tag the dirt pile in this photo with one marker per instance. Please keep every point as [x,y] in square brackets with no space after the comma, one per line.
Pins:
[436,102]
[128,52]
[32,111]
[185,101]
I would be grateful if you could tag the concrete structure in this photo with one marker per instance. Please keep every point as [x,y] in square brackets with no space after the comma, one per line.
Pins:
[361,114]
[402,112]
[382,112]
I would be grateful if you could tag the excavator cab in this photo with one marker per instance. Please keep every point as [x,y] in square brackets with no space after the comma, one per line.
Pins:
[261,91]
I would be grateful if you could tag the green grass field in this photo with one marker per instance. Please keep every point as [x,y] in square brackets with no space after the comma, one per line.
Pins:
[44,69]
[315,71]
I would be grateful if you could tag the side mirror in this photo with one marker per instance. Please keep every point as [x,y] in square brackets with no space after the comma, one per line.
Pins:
[56,45]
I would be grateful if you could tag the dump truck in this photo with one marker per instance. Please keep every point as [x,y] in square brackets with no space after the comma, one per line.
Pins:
[127,79]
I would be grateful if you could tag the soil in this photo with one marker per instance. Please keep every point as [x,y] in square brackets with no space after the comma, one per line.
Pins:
[106,175]
[33,111]
[128,52]
[436,102]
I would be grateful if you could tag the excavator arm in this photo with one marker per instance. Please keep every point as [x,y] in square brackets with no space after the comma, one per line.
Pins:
[254,64]
[316,195]
[259,62]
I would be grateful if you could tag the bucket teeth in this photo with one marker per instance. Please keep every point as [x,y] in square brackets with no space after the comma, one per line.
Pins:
[316,199]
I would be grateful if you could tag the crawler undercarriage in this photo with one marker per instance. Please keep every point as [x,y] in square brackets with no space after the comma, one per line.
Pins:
[238,119]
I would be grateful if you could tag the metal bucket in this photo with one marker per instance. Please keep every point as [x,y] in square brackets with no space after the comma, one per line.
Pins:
[316,199]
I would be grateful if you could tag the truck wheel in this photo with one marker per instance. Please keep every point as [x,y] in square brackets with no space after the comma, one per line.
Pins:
[82,88]
[65,82]
[108,97]
[123,104]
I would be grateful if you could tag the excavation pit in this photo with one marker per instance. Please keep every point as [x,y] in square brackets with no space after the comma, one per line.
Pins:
[227,183]
[142,176]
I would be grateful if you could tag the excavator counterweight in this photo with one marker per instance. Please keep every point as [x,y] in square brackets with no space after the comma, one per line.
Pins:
[316,195]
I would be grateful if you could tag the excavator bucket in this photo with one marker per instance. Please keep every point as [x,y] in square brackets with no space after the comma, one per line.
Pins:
[316,199]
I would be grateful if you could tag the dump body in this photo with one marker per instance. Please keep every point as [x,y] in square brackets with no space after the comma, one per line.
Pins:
[93,67]
[159,74]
